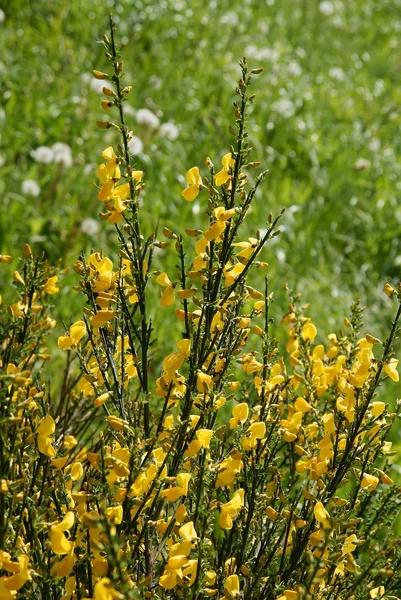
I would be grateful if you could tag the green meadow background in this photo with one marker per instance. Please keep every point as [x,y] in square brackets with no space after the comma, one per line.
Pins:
[326,123]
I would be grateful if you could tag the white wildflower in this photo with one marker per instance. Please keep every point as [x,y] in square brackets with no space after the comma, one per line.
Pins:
[43,154]
[90,226]
[284,107]
[135,145]
[337,73]
[267,54]
[2,16]
[1,161]
[230,18]
[196,208]
[97,85]
[128,110]
[326,8]
[62,154]
[374,145]
[146,117]
[169,131]
[294,69]
[30,188]
[361,163]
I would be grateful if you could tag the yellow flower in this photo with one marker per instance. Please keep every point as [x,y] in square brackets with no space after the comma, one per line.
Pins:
[44,432]
[231,586]
[369,482]
[105,591]
[321,515]
[66,565]
[114,514]
[195,184]
[377,591]
[188,532]
[172,494]
[240,415]
[309,331]
[349,544]
[110,169]
[255,432]
[75,334]
[390,369]
[116,423]
[231,509]
[70,442]
[50,285]
[389,290]
[204,382]
[102,317]
[168,294]
[21,574]
[225,174]
[214,231]
[58,541]
[204,436]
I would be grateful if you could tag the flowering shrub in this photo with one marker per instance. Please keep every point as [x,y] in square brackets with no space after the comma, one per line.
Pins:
[227,468]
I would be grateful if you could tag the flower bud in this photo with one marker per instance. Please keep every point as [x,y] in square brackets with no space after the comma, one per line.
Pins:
[103,124]
[108,92]
[27,252]
[389,290]
[107,104]
[100,75]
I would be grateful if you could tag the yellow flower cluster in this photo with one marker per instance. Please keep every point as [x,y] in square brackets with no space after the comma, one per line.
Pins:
[215,466]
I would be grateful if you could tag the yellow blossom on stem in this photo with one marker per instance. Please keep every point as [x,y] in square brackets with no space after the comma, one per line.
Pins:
[168,294]
[321,515]
[50,285]
[230,510]
[225,174]
[369,482]
[44,432]
[231,586]
[75,333]
[110,169]
[240,415]
[195,184]
[58,541]
[390,368]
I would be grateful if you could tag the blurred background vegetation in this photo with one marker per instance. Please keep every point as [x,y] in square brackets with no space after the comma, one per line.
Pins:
[326,123]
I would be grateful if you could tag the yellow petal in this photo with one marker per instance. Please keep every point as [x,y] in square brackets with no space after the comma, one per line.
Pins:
[222,177]
[193,177]
[123,191]
[168,297]
[188,531]
[390,369]
[101,317]
[47,426]
[214,232]
[137,176]
[106,191]
[163,279]
[77,331]
[231,586]
[369,482]
[190,192]
[109,153]
[204,436]
[227,161]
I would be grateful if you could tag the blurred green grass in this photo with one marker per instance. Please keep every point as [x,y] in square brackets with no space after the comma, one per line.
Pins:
[326,124]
